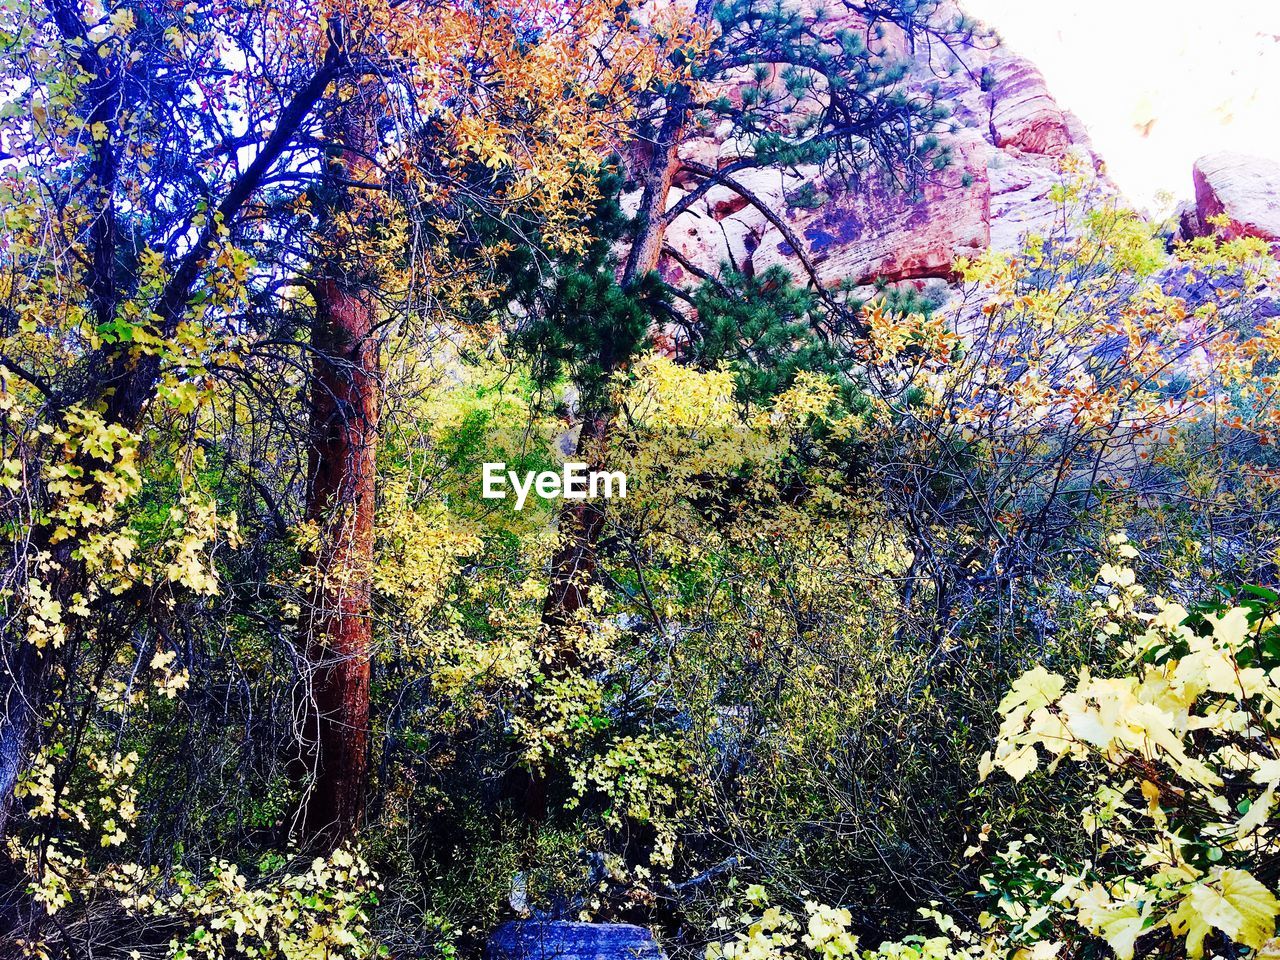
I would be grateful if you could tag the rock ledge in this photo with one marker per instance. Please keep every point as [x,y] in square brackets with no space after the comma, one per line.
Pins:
[565,940]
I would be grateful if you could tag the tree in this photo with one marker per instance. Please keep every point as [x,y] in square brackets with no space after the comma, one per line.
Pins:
[165,163]
[341,485]
[1070,381]
[471,110]
[127,182]
[811,93]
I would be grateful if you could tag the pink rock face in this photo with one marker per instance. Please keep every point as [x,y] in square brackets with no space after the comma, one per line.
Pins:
[1244,189]
[1007,139]
[1023,114]
[862,232]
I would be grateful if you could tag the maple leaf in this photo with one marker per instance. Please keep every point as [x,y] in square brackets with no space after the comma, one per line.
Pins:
[1236,903]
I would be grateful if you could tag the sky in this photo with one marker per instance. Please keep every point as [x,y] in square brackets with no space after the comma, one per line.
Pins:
[1157,83]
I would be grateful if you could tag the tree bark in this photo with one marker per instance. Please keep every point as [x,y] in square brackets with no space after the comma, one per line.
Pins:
[24,693]
[573,567]
[340,501]
[656,178]
[345,397]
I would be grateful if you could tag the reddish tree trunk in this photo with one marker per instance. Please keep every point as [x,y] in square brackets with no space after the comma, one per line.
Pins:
[340,501]
[341,489]
[656,178]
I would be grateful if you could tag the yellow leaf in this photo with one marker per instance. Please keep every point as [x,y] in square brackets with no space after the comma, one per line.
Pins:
[1120,923]
[1237,904]
[1034,689]
[1020,762]
[122,22]
[1257,814]
[1254,903]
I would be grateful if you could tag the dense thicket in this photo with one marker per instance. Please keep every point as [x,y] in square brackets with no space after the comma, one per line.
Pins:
[276,279]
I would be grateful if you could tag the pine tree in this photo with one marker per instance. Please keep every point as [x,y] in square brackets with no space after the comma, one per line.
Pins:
[809,93]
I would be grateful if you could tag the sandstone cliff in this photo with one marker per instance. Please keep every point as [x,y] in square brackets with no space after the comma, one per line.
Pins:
[1007,137]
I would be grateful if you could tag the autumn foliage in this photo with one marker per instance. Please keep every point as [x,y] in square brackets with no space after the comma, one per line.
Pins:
[934,624]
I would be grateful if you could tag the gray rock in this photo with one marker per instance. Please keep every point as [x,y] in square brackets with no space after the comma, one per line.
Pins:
[565,940]
[1243,188]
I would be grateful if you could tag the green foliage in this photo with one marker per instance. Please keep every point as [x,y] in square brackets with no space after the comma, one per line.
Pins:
[766,328]
[584,323]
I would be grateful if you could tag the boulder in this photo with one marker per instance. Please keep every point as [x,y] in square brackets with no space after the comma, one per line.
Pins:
[1243,188]
[1187,220]
[565,940]
[1021,198]
[705,244]
[1024,116]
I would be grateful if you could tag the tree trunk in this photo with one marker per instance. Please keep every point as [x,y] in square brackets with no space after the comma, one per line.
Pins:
[345,396]
[27,672]
[656,177]
[574,565]
[340,501]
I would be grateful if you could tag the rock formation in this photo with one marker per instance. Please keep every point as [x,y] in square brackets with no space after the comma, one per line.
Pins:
[566,940]
[1243,189]
[1007,138]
